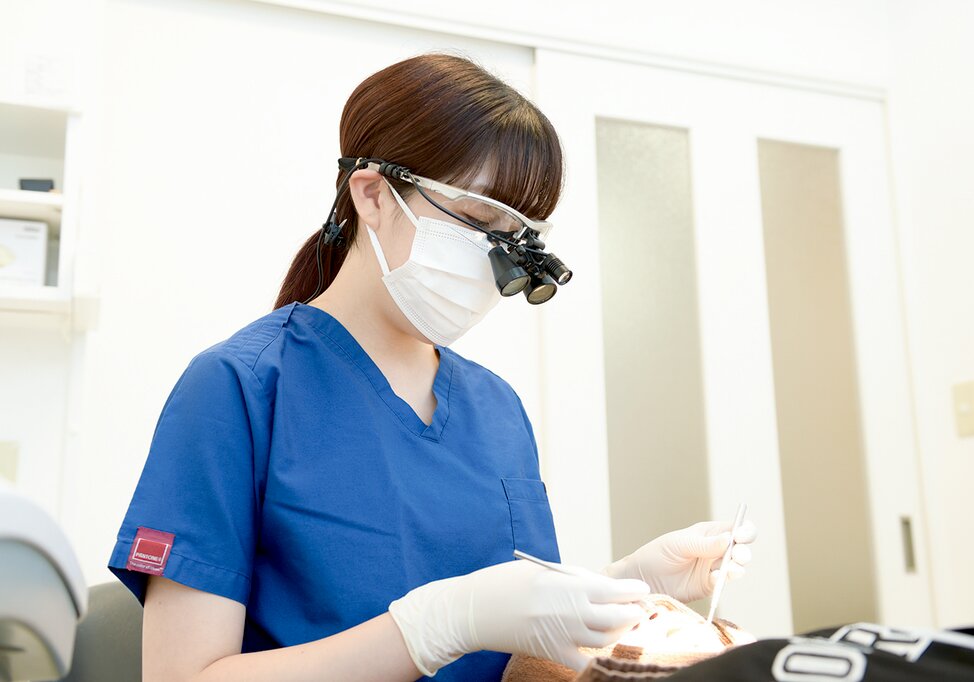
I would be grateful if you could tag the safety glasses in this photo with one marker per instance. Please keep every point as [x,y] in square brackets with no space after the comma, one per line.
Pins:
[490,214]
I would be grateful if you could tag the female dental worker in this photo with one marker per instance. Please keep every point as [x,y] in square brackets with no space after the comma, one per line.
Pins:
[334,494]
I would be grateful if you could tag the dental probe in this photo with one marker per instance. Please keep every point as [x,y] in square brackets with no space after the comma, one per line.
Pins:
[722,571]
[555,567]
[541,562]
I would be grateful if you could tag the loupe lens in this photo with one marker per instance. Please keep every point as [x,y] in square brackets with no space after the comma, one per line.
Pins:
[509,277]
[540,290]
[515,285]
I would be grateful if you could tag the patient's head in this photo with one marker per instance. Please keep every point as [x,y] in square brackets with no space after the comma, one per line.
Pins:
[672,636]
[673,628]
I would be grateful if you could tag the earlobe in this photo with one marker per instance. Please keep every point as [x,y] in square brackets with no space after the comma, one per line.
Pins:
[365,187]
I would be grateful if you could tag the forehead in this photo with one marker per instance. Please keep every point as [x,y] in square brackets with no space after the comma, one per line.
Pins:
[480,182]
[486,178]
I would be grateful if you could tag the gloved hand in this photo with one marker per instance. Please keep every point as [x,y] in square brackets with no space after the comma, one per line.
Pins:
[684,563]
[516,607]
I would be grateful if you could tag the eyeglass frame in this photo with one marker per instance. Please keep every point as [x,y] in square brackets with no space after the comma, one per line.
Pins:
[542,227]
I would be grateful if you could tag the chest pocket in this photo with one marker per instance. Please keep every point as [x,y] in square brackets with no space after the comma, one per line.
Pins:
[531,521]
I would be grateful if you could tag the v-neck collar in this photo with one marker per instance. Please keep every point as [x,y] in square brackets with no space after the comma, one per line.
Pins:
[346,346]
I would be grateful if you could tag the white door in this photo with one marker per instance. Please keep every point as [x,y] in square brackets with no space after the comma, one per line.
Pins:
[733,333]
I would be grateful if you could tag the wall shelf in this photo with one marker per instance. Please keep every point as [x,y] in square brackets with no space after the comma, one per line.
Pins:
[35,307]
[46,307]
[41,142]
[25,205]
[34,299]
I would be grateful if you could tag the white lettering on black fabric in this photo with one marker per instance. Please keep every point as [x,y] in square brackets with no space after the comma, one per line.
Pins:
[816,660]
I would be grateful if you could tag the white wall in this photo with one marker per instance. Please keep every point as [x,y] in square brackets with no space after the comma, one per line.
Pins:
[932,141]
[40,42]
[835,40]
[34,368]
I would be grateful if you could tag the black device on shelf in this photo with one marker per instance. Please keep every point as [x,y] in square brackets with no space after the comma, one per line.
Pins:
[36,185]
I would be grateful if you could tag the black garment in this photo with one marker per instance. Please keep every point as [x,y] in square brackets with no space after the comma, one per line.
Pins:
[862,652]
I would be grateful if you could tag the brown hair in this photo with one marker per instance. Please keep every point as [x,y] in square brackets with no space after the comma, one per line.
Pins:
[446,118]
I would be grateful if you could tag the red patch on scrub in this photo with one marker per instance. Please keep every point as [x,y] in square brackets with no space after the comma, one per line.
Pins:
[150,551]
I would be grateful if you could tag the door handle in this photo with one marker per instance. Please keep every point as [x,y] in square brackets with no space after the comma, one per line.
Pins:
[909,554]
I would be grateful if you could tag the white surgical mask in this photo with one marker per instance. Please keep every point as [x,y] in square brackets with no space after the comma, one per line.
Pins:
[447,285]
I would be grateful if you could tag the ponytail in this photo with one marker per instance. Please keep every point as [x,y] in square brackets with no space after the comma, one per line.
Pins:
[301,280]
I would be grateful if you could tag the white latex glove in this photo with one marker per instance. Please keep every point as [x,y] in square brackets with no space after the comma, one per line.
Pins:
[684,563]
[516,607]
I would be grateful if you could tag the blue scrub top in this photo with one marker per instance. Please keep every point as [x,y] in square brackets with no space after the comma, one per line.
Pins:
[288,476]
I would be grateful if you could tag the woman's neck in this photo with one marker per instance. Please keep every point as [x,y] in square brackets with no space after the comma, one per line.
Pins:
[358,299]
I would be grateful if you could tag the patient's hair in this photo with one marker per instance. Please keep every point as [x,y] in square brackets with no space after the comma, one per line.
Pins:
[446,118]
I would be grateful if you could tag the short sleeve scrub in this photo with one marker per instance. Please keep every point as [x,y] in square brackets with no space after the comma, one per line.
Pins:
[285,474]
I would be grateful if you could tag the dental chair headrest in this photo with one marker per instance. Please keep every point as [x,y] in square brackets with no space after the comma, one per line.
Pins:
[42,592]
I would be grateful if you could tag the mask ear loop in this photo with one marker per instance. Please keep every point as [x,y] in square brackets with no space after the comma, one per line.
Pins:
[403,205]
[374,238]
[379,253]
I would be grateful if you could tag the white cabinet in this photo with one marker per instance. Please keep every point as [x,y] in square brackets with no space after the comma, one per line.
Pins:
[40,142]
